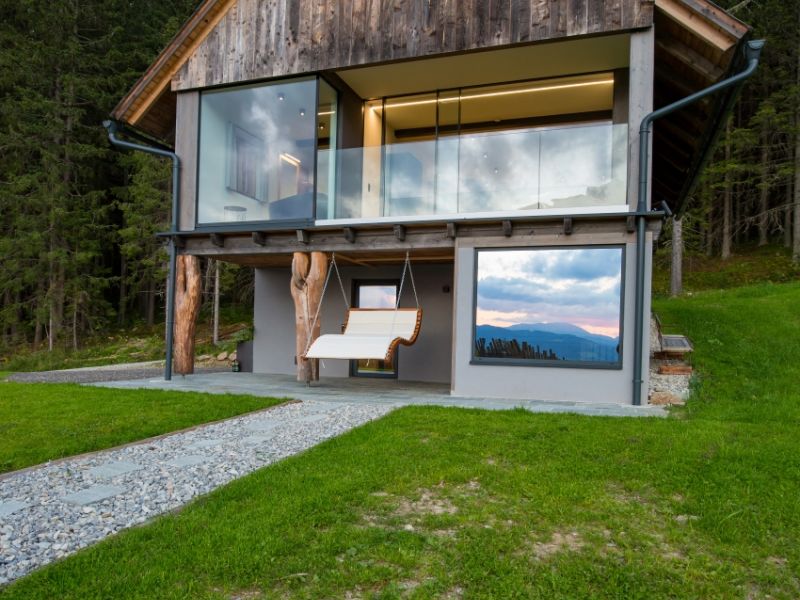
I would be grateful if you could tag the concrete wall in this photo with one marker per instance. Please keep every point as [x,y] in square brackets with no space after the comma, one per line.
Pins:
[536,382]
[429,359]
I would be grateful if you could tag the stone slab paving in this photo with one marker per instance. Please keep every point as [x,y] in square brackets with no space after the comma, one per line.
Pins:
[333,390]
[11,506]
[94,494]
[113,469]
[51,511]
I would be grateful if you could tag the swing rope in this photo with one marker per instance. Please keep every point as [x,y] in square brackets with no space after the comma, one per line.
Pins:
[335,267]
[331,267]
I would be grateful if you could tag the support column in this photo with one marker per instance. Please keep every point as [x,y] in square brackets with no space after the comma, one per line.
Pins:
[308,279]
[188,292]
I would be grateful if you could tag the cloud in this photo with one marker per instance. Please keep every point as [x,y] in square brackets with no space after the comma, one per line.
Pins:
[579,286]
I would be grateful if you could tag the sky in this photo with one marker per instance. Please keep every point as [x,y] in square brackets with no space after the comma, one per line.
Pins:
[577,286]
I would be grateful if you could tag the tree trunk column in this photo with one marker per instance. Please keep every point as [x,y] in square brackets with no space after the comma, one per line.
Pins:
[188,291]
[308,278]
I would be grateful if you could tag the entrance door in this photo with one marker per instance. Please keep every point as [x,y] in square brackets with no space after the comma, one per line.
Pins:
[374,293]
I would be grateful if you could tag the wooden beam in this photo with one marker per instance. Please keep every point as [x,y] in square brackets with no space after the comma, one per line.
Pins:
[302,236]
[350,234]
[698,24]
[630,224]
[452,231]
[567,226]
[508,228]
[218,240]
[400,232]
[691,59]
[260,238]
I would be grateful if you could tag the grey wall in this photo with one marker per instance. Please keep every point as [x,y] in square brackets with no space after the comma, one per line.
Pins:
[534,382]
[429,359]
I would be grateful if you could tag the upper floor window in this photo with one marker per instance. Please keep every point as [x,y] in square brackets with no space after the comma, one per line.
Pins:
[257,152]
[491,149]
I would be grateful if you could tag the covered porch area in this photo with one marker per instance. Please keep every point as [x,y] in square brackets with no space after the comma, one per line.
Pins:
[396,393]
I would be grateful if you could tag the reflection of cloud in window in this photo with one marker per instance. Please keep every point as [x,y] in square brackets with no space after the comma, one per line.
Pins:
[530,169]
[377,296]
[578,286]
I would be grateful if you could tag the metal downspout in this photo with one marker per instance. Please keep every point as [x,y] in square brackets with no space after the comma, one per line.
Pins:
[752,53]
[112,128]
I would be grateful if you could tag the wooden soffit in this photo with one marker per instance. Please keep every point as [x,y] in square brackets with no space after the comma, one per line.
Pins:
[697,44]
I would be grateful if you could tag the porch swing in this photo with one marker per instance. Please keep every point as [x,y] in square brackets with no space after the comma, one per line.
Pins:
[368,333]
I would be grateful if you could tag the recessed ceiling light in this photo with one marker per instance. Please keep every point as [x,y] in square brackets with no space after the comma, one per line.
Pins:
[281,96]
[302,112]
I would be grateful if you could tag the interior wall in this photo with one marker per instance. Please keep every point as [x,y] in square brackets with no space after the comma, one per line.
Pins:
[428,359]
[565,384]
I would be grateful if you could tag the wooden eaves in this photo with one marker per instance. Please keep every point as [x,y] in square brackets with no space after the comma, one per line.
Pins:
[697,45]
[150,104]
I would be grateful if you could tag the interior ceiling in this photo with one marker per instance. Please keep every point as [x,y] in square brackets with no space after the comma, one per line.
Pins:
[534,61]
[569,95]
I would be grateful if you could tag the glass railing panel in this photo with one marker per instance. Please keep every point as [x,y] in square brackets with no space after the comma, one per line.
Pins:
[498,172]
[567,167]
[578,168]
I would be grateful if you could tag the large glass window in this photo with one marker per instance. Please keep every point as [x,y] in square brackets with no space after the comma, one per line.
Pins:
[499,148]
[257,152]
[551,307]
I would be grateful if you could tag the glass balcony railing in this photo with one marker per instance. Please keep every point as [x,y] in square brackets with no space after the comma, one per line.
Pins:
[557,168]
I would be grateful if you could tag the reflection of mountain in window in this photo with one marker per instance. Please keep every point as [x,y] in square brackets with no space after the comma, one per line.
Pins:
[246,155]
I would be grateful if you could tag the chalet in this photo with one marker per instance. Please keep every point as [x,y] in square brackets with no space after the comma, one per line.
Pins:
[489,162]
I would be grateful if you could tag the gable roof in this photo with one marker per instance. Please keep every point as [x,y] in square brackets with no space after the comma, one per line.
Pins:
[150,103]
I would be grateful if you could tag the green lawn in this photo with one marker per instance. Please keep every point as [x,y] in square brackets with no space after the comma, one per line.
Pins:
[449,503]
[41,422]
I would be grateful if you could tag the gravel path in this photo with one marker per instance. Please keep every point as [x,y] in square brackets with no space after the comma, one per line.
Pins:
[52,511]
[119,372]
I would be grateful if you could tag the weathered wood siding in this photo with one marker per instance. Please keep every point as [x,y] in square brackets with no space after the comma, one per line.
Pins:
[270,38]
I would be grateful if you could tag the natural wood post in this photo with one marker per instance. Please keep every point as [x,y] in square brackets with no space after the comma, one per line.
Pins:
[308,278]
[188,291]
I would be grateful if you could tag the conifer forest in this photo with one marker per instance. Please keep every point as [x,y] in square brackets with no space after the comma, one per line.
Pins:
[78,219]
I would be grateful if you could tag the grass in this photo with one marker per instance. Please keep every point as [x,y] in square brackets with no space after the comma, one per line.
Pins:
[41,422]
[436,502]
[749,266]
[137,343]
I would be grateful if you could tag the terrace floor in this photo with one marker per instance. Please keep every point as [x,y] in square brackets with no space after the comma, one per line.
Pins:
[370,391]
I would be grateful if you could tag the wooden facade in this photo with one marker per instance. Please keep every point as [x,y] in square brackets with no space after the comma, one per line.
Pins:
[229,41]
[257,40]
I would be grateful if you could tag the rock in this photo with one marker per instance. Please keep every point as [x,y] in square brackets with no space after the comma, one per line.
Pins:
[222,356]
[232,356]
[666,399]
[204,357]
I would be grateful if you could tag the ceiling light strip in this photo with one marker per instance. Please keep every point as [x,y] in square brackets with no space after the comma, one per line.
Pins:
[548,88]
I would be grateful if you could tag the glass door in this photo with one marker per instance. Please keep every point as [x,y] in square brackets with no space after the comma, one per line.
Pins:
[375,294]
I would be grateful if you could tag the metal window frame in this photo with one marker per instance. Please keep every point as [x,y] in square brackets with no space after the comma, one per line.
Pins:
[569,364]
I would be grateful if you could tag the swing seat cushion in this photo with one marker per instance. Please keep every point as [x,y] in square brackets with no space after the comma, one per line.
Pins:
[370,333]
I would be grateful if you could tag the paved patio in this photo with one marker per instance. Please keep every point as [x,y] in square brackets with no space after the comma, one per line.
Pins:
[370,391]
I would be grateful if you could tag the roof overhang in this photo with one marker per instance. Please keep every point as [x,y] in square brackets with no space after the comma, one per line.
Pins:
[150,104]
[697,44]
